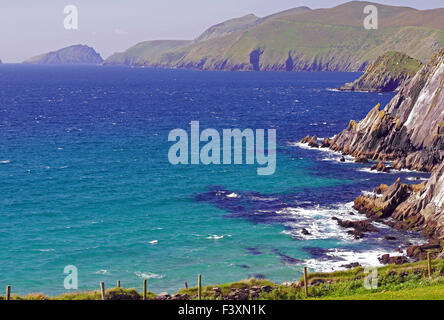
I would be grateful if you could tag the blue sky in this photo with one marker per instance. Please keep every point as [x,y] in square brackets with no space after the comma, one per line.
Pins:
[30,27]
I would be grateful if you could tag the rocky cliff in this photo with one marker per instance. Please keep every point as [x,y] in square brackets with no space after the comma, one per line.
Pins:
[73,55]
[410,132]
[387,73]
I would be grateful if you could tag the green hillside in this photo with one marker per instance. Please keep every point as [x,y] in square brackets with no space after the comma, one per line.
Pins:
[310,40]
[143,51]
[388,73]
[228,27]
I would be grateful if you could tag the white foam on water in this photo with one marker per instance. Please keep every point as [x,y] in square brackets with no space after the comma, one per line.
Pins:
[102,271]
[154,242]
[5,161]
[337,258]
[232,195]
[255,198]
[215,237]
[417,179]
[331,154]
[318,221]
[370,194]
[148,275]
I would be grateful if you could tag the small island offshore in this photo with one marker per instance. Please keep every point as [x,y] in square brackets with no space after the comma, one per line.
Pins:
[86,180]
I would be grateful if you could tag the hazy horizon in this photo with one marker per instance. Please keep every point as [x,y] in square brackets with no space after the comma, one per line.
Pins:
[30,28]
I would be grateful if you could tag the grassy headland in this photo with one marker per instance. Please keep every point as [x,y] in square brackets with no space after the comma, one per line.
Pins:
[407,282]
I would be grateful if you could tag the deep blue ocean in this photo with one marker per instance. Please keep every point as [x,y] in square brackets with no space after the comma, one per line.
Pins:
[85,178]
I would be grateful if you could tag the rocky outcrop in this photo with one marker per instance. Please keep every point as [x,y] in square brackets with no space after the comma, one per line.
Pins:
[410,207]
[388,73]
[73,55]
[359,227]
[410,132]
[311,141]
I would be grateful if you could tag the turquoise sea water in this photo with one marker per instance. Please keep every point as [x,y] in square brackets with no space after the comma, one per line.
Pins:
[85,178]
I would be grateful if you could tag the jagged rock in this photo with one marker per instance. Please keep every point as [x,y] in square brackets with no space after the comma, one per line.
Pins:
[311,141]
[387,259]
[179,297]
[408,129]
[363,160]
[381,189]
[390,238]
[359,227]
[380,167]
[163,296]
[420,252]
[305,232]
[327,143]
[351,265]
[342,159]
[410,132]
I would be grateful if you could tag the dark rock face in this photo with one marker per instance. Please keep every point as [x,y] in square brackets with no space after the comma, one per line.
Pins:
[387,73]
[380,167]
[363,160]
[387,259]
[359,227]
[73,55]
[351,265]
[409,132]
[420,252]
[311,141]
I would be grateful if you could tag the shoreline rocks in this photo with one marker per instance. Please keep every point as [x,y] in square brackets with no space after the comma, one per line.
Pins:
[311,141]
[410,132]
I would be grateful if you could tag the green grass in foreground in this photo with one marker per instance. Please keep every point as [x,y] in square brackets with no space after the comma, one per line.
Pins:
[405,282]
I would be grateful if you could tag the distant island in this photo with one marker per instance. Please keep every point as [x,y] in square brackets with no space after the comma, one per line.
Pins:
[388,73]
[73,55]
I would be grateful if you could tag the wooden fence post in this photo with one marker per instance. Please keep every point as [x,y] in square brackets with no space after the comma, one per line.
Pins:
[144,289]
[8,293]
[186,285]
[199,287]
[118,283]
[305,281]
[102,290]
[429,264]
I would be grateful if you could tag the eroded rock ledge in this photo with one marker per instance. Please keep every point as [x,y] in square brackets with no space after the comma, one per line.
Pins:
[410,132]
